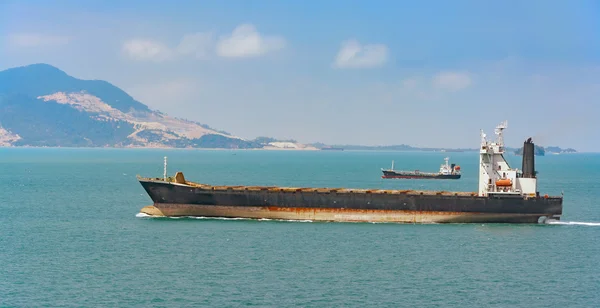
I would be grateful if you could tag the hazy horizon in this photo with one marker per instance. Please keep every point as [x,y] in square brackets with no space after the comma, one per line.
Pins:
[428,74]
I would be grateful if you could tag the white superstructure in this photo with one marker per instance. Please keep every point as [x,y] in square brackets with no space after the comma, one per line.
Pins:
[495,174]
[446,169]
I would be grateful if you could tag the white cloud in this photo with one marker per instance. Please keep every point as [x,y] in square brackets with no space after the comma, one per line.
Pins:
[354,55]
[245,41]
[452,81]
[147,50]
[37,40]
[199,44]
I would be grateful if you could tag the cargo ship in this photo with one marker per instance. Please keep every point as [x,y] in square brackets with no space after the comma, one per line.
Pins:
[505,195]
[447,172]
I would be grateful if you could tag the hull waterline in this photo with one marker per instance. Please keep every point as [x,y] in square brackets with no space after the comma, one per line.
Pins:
[424,177]
[336,215]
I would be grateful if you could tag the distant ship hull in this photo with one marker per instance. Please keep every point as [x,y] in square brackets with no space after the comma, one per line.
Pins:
[447,172]
[190,199]
[387,174]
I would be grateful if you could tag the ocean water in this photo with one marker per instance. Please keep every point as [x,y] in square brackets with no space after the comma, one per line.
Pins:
[69,236]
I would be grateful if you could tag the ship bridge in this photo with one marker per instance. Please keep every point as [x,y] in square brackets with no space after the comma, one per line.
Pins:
[496,177]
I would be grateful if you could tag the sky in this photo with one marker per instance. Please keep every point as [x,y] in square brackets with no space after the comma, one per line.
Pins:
[424,73]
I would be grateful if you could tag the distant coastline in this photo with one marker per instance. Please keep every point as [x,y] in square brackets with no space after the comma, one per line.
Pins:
[42,106]
[540,151]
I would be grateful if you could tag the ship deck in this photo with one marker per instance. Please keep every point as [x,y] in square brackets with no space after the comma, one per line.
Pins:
[312,189]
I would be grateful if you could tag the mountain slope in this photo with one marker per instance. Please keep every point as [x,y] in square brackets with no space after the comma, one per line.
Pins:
[41,105]
[44,79]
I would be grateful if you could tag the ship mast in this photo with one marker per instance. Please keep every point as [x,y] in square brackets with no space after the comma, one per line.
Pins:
[165,170]
[499,132]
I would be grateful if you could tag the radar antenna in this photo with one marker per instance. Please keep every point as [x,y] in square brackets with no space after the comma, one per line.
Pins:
[483,135]
[502,126]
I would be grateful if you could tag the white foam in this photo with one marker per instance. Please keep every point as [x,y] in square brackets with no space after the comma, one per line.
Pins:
[549,222]
[574,223]
[218,218]
[242,218]
[144,215]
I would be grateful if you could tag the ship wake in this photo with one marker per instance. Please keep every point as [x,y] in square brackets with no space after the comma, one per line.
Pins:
[573,223]
[144,215]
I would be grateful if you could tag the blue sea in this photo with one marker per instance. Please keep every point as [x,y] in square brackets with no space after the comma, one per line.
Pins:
[70,236]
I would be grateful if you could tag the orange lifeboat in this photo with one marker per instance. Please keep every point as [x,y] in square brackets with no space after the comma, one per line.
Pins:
[457,168]
[504,182]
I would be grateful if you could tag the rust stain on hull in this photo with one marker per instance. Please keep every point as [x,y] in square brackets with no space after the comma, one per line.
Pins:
[336,215]
[152,210]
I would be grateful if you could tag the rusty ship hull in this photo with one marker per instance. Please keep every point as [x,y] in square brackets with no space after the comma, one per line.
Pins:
[183,198]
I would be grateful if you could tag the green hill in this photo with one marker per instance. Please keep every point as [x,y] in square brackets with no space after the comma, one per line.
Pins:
[40,105]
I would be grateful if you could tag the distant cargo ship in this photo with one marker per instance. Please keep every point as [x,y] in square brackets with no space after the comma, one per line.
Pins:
[446,172]
[505,195]
[332,149]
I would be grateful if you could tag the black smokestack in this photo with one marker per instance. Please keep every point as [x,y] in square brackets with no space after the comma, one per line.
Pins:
[528,159]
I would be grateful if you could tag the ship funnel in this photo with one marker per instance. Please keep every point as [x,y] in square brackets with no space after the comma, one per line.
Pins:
[528,159]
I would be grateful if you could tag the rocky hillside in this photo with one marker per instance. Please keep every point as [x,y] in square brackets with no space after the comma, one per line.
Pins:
[41,105]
